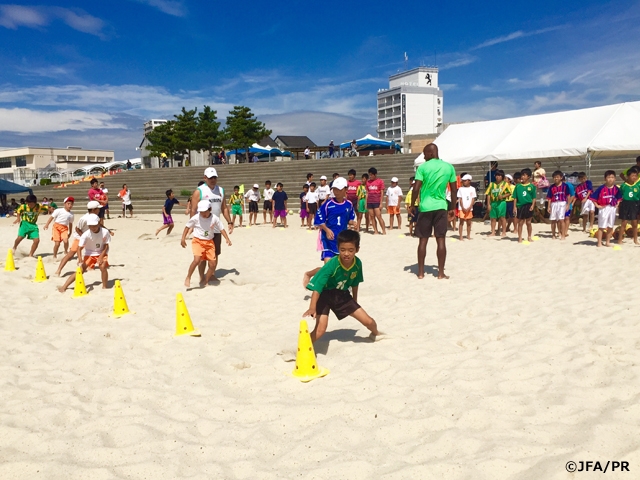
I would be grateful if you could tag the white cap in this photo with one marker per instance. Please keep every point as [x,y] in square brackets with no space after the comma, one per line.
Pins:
[339,183]
[509,176]
[323,177]
[93,219]
[93,204]
[210,172]
[255,185]
[394,179]
[467,177]
[204,205]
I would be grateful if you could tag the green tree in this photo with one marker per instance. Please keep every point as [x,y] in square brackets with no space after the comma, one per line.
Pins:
[161,140]
[184,132]
[243,129]
[208,135]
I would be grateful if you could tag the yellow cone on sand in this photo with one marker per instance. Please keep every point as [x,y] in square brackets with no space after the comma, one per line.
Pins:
[9,264]
[120,306]
[183,319]
[79,288]
[306,365]
[41,276]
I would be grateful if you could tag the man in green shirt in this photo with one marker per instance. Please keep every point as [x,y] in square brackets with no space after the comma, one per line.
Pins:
[430,190]
[330,287]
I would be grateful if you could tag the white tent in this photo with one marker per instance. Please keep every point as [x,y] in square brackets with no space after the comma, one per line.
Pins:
[585,133]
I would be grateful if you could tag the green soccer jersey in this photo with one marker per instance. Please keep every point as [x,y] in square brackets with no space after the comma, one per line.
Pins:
[524,194]
[495,190]
[27,214]
[630,193]
[335,276]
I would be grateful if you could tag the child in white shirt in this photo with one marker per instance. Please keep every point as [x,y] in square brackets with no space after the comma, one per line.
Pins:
[394,196]
[324,190]
[466,198]
[312,205]
[204,225]
[95,242]
[253,196]
[62,226]
[267,194]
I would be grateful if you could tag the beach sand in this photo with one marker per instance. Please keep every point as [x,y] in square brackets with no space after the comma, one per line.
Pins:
[526,359]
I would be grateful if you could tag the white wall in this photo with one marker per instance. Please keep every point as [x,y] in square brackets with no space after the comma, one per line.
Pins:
[420,113]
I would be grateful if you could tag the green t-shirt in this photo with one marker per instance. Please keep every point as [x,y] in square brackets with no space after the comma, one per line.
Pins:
[524,194]
[630,193]
[435,175]
[334,276]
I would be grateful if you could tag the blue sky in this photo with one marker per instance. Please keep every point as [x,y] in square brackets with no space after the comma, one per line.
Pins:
[89,73]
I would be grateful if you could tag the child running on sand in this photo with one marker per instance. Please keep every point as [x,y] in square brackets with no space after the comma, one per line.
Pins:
[62,227]
[330,287]
[27,216]
[606,199]
[204,223]
[630,204]
[524,196]
[235,200]
[95,242]
[466,198]
[93,207]
[167,219]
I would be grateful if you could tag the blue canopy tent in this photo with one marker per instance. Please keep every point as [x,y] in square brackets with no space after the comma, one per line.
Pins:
[369,142]
[8,188]
[261,152]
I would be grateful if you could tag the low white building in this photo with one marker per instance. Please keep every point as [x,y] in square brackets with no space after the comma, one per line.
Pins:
[24,163]
[412,105]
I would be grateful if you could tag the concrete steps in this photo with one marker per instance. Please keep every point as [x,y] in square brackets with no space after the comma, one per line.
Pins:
[148,185]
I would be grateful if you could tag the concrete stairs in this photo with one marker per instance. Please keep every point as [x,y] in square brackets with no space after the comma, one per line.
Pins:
[148,185]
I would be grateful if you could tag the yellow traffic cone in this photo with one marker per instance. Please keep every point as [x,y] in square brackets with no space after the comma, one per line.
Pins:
[306,365]
[120,306]
[9,265]
[79,289]
[41,276]
[183,319]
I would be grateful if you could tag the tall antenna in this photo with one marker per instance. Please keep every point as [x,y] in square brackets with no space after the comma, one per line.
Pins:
[406,61]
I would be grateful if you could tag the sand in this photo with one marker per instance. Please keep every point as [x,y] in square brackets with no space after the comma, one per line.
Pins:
[527,358]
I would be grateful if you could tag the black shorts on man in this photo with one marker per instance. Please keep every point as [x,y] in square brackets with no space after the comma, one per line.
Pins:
[433,222]
[525,212]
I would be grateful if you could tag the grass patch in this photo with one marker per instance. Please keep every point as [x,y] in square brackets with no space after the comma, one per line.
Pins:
[185,193]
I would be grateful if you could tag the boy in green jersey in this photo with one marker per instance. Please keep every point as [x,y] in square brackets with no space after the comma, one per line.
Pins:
[497,192]
[236,201]
[630,205]
[28,218]
[330,287]
[524,196]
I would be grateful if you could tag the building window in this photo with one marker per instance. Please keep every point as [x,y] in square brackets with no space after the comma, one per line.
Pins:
[21,161]
[5,163]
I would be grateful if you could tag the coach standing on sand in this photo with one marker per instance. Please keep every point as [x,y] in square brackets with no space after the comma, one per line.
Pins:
[430,189]
[215,194]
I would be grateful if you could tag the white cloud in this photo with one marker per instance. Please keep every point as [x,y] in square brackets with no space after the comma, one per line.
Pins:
[170,7]
[513,36]
[459,62]
[15,16]
[24,120]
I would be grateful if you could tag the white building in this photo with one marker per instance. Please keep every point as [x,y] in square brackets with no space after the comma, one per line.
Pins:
[153,123]
[24,164]
[412,105]
[200,158]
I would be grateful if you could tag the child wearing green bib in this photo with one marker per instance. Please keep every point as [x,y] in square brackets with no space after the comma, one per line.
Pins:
[497,193]
[330,287]
[28,218]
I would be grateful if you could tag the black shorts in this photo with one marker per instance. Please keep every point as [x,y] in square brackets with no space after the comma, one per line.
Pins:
[629,210]
[432,222]
[253,206]
[525,212]
[127,207]
[267,205]
[313,208]
[217,241]
[340,302]
[101,213]
[371,206]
